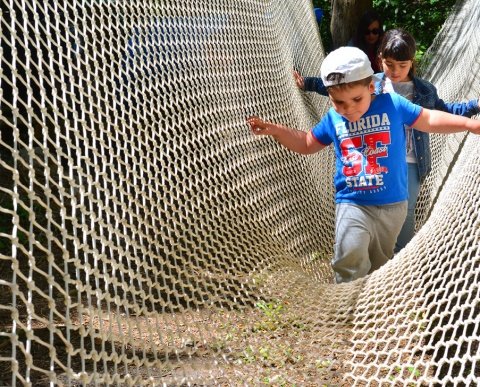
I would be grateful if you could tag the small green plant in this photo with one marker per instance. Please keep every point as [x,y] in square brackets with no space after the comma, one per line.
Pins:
[264,353]
[412,371]
[288,355]
[272,312]
[396,371]
[420,318]
[277,380]
[270,309]
[323,363]
[249,355]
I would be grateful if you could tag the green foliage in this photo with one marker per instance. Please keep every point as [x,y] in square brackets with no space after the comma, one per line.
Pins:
[323,363]
[274,316]
[422,18]
[409,371]
[324,26]
[272,313]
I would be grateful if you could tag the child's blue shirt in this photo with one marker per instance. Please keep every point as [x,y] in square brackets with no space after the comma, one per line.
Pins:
[371,166]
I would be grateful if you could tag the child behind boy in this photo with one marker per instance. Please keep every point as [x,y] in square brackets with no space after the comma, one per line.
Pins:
[397,57]
[371,171]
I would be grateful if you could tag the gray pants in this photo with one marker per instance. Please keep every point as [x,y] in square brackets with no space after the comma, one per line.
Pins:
[365,237]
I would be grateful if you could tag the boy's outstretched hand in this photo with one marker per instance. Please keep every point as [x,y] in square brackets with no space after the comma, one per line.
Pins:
[476,130]
[296,140]
[475,126]
[257,125]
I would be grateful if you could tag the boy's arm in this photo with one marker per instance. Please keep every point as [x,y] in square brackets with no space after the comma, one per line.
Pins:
[293,139]
[436,121]
[310,84]
[315,84]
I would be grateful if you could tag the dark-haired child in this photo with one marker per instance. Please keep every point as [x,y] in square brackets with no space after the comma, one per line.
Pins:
[397,56]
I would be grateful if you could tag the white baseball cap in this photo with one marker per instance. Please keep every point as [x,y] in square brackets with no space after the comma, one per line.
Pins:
[351,63]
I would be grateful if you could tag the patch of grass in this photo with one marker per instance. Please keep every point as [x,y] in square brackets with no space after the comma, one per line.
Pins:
[323,363]
[420,318]
[408,371]
[272,313]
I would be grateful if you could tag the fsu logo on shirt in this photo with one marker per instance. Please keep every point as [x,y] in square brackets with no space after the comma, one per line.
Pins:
[363,145]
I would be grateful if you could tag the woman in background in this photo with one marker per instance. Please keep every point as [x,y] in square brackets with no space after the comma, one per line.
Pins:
[368,37]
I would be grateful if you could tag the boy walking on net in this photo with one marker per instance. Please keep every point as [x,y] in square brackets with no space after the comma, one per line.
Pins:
[368,134]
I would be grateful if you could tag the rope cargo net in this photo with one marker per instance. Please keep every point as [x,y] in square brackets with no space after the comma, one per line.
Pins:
[148,238]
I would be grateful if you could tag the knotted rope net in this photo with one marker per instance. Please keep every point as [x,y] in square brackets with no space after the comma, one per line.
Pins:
[147,238]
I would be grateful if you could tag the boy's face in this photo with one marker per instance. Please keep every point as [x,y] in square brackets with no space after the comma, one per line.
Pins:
[352,102]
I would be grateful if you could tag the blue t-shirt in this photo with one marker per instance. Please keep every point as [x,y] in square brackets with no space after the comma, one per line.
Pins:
[371,166]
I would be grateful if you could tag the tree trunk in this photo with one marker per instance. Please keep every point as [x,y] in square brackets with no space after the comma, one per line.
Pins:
[345,17]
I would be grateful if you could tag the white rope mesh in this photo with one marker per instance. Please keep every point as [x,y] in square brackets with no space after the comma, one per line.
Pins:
[147,238]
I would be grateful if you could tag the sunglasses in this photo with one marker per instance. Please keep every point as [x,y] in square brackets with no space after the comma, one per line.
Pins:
[374,31]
